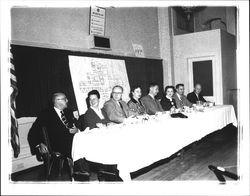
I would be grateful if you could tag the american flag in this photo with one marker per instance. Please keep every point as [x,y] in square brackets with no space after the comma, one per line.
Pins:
[14,124]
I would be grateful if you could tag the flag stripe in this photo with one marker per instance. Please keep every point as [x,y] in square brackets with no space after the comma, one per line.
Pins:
[14,123]
[13,80]
[12,72]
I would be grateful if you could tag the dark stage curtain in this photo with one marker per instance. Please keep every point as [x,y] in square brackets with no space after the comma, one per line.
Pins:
[41,72]
[143,71]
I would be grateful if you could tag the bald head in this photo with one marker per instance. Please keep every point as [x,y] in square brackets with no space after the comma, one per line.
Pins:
[197,88]
[60,101]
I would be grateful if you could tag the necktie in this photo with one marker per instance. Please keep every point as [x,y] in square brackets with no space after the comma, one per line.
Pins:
[197,97]
[182,104]
[64,119]
[122,109]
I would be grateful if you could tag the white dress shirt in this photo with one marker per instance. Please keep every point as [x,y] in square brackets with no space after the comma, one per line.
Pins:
[151,96]
[58,112]
[179,96]
[98,111]
[197,96]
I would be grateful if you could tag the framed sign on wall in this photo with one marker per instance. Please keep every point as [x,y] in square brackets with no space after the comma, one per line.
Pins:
[97,21]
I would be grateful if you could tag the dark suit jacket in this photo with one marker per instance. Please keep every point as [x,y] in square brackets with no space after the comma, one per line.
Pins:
[115,113]
[167,104]
[59,136]
[152,105]
[184,101]
[193,98]
[90,119]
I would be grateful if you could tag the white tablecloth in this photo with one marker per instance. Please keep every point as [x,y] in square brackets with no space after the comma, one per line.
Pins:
[135,146]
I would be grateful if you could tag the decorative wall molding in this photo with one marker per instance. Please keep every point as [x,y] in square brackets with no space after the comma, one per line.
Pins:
[74,49]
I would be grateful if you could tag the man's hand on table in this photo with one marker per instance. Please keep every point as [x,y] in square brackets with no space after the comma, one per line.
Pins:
[130,119]
[73,130]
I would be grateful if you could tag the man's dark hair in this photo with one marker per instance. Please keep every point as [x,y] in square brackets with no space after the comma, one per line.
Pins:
[178,85]
[152,84]
[94,92]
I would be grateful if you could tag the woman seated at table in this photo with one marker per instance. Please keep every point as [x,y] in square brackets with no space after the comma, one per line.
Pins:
[167,101]
[135,104]
[94,117]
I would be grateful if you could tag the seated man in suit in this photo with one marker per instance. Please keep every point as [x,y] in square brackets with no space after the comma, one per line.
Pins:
[94,117]
[196,95]
[60,124]
[117,109]
[150,103]
[180,99]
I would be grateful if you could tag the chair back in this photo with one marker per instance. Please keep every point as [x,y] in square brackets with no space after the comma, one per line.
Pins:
[50,157]
[46,139]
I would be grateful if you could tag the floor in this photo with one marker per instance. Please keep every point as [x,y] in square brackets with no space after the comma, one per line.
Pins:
[218,149]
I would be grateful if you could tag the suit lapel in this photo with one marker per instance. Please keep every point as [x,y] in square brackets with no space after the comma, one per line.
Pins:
[94,114]
[153,100]
[178,101]
[122,109]
[55,115]
[118,108]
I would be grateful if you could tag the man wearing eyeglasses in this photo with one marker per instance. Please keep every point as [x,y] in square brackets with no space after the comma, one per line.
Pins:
[117,109]
[60,124]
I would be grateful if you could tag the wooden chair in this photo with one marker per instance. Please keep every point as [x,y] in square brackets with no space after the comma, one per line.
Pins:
[52,157]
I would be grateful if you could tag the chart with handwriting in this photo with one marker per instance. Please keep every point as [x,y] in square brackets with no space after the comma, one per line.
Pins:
[89,73]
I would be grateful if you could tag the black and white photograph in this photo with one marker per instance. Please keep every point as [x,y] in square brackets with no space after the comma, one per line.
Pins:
[125,97]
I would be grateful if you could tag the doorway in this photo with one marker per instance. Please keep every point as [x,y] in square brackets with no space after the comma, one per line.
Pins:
[205,71]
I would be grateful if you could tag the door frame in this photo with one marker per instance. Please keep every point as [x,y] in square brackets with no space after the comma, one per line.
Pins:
[217,76]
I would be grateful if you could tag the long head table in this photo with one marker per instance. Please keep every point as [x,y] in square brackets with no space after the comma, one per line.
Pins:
[134,146]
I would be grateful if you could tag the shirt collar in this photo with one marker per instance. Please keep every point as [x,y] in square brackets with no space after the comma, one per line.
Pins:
[179,96]
[133,100]
[118,102]
[58,111]
[151,96]
[98,109]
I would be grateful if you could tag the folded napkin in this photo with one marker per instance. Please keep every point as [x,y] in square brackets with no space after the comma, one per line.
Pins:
[178,115]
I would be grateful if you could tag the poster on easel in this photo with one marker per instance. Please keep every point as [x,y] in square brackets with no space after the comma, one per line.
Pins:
[89,73]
